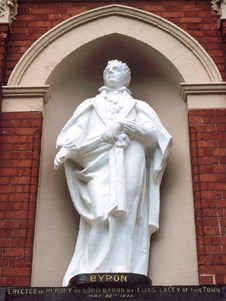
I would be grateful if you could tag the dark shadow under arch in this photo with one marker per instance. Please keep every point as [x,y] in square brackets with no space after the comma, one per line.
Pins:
[86,64]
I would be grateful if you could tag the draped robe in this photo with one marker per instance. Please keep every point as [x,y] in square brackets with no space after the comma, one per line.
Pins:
[114,186]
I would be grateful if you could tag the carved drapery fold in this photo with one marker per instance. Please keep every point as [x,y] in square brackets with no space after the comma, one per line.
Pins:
[8,11]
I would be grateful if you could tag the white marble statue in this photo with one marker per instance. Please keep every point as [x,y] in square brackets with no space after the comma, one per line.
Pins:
[114,149]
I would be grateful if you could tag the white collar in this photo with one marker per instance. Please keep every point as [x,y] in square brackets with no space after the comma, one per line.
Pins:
[107,89]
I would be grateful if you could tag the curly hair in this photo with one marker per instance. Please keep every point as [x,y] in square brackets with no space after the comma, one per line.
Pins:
[124,67]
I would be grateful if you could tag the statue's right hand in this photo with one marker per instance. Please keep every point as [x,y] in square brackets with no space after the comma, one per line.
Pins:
[112,131]
[61,156]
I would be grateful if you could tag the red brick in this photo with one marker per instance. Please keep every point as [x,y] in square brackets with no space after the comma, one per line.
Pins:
[221,187]
[16,214]
[222,160]
[19,197]
[25,261]
[24,131]
[217,260]
[221,127]
[22,281]
[206,259]
[213,240]
[20,180]
[207,221]
[28,115]
[7,189]
[14,252]
[212,178]
[34,122]
[219,152]
[4,243]
[4,180]
[207,143]
[210,230]
[18,243]
[220,279]
[22,147]
[21,271]
[206,280]
[15,233]
[9,281]
[204,128]
[218,269]
[212,212]
[222,222]
[205,160]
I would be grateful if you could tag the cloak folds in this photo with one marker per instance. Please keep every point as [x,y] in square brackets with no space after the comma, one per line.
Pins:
[114,186]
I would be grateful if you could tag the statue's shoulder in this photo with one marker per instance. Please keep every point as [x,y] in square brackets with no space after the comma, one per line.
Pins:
[83,106]
[145,109]
[85,103]
[143,105]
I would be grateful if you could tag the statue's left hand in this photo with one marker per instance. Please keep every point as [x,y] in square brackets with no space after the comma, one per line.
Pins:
[61,156]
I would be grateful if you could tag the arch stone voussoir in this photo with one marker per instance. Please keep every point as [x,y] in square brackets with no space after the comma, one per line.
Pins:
[185,53]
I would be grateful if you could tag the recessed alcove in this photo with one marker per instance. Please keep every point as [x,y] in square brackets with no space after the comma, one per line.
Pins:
[86,64]
[155,80]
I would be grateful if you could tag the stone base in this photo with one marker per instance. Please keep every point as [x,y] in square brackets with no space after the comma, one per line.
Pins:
[116,293]
[109,280]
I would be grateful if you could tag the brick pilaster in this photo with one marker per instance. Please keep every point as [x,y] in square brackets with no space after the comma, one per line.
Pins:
[20,141]
[208,157]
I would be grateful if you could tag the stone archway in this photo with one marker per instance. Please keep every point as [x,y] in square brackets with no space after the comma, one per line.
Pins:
[39,61]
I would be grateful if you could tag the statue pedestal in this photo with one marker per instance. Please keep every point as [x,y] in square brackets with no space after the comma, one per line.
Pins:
[109,280]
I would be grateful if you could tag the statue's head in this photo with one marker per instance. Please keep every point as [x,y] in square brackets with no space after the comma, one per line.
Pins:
[116,74]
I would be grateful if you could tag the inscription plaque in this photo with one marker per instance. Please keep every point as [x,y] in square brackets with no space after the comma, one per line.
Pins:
[141,293]
[109,280]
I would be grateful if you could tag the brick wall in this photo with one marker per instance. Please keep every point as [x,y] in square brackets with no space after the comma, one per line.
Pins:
[20,137]
[208,149]
[195,17]
[19,166]
[4,35]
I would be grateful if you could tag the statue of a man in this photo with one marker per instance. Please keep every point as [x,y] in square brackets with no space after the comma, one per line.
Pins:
[114,149]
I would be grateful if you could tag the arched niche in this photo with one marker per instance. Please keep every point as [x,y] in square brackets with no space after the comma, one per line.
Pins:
[155,80]
[70,59]
[83,68]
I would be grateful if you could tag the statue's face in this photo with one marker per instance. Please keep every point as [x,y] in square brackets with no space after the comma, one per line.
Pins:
[115,76]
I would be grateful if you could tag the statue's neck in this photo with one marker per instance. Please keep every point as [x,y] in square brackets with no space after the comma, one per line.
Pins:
[107,90]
